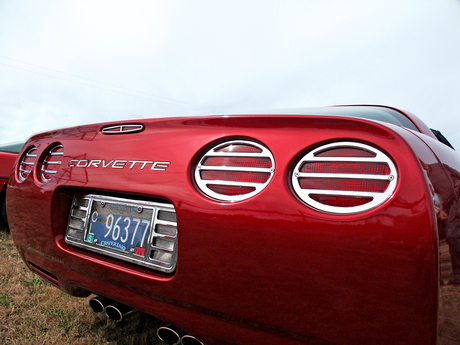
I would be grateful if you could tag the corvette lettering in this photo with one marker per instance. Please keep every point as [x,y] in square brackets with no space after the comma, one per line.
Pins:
[119,164]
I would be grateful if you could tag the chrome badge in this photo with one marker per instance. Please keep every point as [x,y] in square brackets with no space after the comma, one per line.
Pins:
[123,129]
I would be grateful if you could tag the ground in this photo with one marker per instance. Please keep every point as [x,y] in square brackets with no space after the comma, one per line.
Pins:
[449,328]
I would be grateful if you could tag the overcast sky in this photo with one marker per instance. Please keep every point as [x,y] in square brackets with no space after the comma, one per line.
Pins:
[65,63]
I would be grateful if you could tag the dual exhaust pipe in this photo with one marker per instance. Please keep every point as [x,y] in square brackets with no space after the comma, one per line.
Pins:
[172,335]
[113,310]
[116,311]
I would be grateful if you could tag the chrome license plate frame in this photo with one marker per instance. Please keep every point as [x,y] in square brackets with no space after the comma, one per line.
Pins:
[126,229]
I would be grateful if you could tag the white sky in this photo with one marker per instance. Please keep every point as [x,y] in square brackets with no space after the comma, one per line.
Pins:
[65,63]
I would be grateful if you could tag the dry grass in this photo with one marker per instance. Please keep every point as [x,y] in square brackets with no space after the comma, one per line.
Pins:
[449,329]
[450,326]
[34,312]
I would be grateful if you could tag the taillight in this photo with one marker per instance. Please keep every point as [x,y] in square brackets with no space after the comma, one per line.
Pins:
[51,162]
[235,170]
[27,163]
[344,177]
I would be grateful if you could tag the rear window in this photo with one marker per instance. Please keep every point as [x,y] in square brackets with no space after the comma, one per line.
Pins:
[379,114]
[362,111]
[13,147]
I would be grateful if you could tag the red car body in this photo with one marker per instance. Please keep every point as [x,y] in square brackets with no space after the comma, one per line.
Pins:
[272,268]
[8,155]
[7,160]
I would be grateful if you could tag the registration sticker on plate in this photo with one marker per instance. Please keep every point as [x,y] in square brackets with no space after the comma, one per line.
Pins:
[119,227]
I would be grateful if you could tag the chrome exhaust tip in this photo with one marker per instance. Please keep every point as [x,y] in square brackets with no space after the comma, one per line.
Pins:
[190,340]
[99,303]
[170,335]
[117,311]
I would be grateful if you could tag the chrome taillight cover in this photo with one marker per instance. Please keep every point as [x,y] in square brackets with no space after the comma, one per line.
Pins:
[344,178]
[27,163]
[235,170]
[51,162]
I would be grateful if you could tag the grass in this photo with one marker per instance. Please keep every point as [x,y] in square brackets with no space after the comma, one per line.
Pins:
[34,312]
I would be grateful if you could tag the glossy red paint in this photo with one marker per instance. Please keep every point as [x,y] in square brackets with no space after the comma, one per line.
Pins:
[3,182]
[7,160]
[6,165]
[269,269]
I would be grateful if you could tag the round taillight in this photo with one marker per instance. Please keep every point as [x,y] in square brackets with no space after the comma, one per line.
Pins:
[344,178]
[51,162]
[235,170]
[27,163]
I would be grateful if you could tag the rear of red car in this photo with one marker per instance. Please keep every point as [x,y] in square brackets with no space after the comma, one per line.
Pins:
[269,229]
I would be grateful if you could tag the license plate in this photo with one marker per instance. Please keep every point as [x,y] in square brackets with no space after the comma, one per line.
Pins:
[138,231]
[120,227]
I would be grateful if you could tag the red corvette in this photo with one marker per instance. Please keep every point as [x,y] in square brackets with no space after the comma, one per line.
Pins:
[8,154]
[317,226]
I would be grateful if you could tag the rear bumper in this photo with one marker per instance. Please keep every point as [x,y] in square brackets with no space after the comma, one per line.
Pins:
[266,276]
[204,323]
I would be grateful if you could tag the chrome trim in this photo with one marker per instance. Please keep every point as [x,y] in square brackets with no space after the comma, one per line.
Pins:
[23,164]
[122,129]
[99,303]
[170,334]
[117,311]
[190,340]
[45,162]
[203,184]
[378,198]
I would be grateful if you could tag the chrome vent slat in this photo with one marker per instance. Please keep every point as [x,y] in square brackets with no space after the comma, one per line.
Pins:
[347,176]
[49,171]
[162,249]
[264,152]
[236,183]
[377,159]
[242,169]
[166,222]
[373,197]
[165,237]
[75,228]
[341,192]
